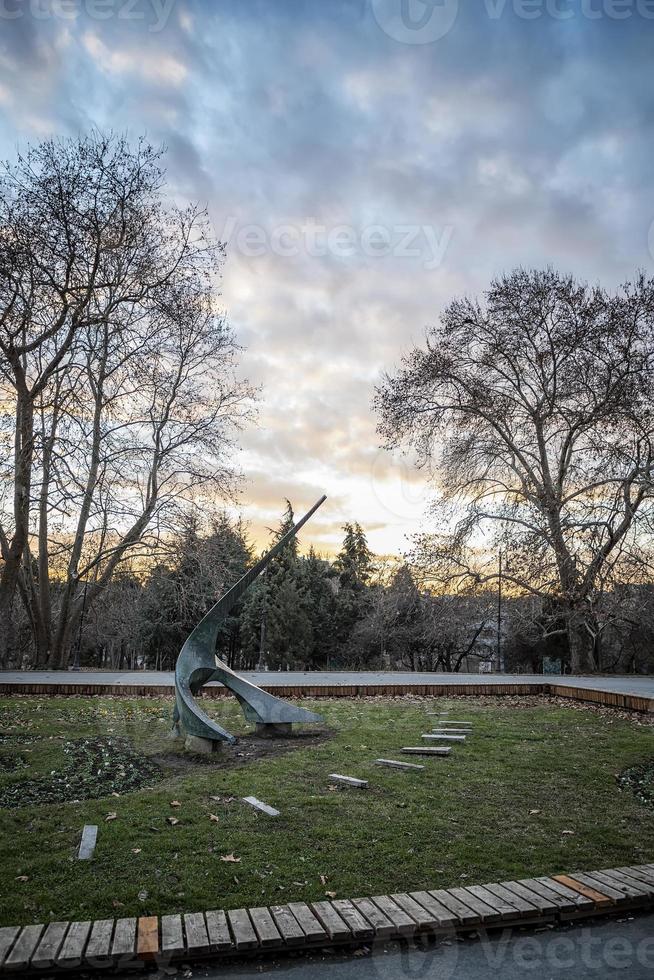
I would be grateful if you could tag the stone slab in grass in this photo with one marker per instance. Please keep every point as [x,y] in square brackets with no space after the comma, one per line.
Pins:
[349,781]
[426,750]
[270,811]
[88,841]
[397,764]
[447,738]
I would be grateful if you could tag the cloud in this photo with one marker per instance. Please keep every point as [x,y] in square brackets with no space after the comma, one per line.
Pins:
[530,140]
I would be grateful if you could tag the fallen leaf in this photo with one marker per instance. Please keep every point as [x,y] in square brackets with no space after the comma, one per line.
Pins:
[323,879]
[569,833]
[172,821]
[332,788]
[230,858]
[111,816]
[330,894]
[175,803]
[116,904]
[533,811]
[216,799]
[142,896]
[22,878]
[136,850]
[212,816]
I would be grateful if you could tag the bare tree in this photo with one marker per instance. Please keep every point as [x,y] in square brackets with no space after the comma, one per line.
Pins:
[117,373]
[533,413]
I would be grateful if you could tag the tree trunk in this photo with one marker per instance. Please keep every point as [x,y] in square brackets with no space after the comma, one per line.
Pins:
[580,645]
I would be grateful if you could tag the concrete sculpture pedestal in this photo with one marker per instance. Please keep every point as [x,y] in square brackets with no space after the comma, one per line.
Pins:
[203,746]
[274,729]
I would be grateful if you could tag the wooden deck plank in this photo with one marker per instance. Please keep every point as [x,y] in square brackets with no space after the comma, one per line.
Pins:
[445,918]
[487,912]
[361,928]
[172,934]
[637,875]
[124,941]
[21,953]
[331,921]
[598,898]
[242,929]
[46,952]
[220,939]
[308,922]
[535,898]
[147,937]
[575,899]
[422,918]
[518,903]
[402,923]
[98,949]
[8,936]
[288,926]
[195,929]
[637,889]
[608,886]
[465,915]
[640,874]
[71,953]
[265,928]
[382,925]
[506,909]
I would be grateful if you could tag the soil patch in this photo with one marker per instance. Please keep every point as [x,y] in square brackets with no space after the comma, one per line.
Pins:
[249,748]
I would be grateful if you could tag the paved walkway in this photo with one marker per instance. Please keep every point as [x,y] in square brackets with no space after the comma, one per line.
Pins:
[640,686]
[604,950]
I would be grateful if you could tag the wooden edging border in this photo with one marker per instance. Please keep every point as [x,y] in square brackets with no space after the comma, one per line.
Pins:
[129,942]
[611,699]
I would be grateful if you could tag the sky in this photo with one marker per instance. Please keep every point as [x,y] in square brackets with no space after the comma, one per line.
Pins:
[366,162]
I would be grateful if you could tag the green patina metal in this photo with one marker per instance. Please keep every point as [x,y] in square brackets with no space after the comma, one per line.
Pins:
[198,664]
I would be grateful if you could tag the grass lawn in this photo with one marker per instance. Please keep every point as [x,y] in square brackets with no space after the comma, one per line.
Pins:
[532,791]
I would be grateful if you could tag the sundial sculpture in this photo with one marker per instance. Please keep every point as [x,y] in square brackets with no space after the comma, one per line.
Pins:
[197,664]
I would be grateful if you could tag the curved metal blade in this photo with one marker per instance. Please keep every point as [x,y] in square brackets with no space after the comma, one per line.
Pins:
[197,664]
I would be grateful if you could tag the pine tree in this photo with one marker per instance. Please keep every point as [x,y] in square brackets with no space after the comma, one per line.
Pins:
[279,600]
[321,603]
[354,567]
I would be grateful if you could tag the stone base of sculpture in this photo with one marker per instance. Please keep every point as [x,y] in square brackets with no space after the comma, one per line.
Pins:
[203,746]
[274,729]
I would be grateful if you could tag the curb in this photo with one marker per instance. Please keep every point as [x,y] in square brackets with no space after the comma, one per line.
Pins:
[610,699]
[131,942]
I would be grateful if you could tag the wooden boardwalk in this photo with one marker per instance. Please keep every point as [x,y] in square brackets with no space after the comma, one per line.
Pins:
[121,942]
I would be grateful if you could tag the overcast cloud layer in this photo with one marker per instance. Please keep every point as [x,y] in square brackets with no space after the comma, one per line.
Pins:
[366,161]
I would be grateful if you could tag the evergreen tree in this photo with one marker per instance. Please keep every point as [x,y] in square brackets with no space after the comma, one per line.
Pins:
[354,568]
[321,603]
[278,600]
[354,561]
